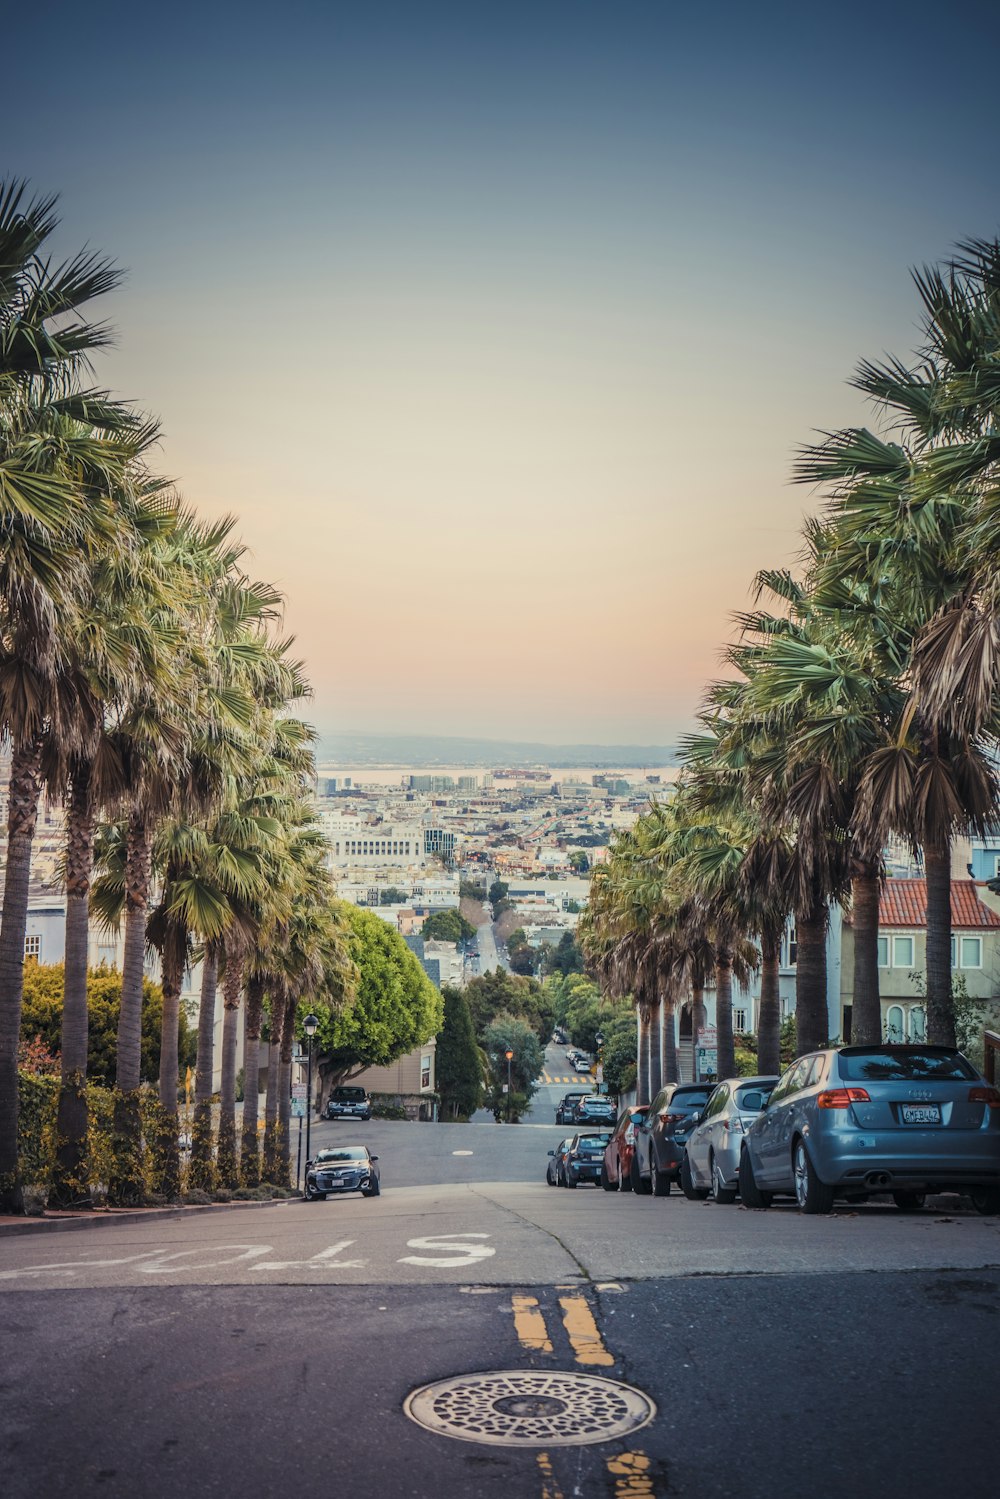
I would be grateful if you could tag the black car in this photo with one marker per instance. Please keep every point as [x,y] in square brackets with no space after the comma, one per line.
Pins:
[566,1107]
[347,1168]
[349,1103]
[594,1108]
[556,1158]
[583,1160]
[660,1141]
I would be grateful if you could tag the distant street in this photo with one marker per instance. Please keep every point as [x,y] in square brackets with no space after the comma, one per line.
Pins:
[256,1350]
[489,959]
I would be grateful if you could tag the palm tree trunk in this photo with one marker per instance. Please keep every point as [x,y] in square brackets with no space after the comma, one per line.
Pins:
[656,1050]
[69,1184]
[811,1026]
[271,1099]
[642,1067]
[866,1011]
[167,1160]
[285,1095]
[940,1001]
[202,1174]
[724,1012]
[698,1018]
[250,1144]
[670,1071]
[232,984]
[127,1186]
[25,788]
[769,1019]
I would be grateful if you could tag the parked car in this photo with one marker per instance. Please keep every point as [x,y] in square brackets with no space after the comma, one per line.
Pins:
[663,1134]
[595,1108]
[349,1103]
[617,1173]
[712,1158]
[853,1121]
[556,1158]
[583,1160]
[584,1064]
[565,1109]
[347,1168]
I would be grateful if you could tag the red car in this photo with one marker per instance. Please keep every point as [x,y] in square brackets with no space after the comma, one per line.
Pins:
[616,1173]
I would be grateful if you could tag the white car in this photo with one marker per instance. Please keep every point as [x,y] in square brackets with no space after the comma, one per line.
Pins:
[711,1162]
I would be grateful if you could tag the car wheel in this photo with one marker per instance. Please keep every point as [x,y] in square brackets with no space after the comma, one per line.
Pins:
[721,1194]
[986,1200]
[568,1181]
[374,1190]
[641,1185]
[750,1194]
[658,1181]
[812,1195]
[606,1181]
[624,1182]
[691,1192]
[908,1202]
[560,1178]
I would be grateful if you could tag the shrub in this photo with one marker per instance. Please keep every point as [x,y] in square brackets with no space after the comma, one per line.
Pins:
[196,1198]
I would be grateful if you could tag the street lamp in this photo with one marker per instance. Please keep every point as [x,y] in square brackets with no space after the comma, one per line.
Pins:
[599,1042]
[510,1057]
[310,1025]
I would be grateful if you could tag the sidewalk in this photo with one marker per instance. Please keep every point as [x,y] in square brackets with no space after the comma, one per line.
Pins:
[57,1220]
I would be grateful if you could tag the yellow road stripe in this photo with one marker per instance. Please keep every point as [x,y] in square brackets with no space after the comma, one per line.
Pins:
[529,1324]
[630,1471]
[578,1320]
[550,1489]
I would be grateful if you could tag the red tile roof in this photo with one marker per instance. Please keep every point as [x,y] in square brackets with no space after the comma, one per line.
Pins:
[904,903]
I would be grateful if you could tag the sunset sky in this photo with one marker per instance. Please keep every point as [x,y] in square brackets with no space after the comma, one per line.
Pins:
[498,324]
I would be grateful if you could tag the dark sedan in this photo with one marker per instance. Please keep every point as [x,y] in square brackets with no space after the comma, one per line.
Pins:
[661,1139]
[594,1109]
[348,1168]
[583,1160]
[556,1159]
[349,1103]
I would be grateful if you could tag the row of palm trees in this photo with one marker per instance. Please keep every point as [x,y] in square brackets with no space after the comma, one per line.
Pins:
[861,702]
[144,681]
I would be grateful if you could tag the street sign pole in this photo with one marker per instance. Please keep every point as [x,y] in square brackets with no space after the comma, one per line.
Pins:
[298,1158]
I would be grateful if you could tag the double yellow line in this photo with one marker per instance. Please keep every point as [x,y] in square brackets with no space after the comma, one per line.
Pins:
[630,1470]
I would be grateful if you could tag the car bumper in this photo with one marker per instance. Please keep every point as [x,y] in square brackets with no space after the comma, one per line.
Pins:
[348,1114]
[589,1172]
[339,1184]
[935,1159]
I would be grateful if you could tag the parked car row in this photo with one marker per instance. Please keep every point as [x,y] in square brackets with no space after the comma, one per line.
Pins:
[846,1123]
[584,1107]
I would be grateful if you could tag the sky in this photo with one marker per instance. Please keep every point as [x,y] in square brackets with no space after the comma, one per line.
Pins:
[498,325]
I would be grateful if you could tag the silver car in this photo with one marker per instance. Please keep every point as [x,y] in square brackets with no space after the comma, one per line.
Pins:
[712,1160]
[854,1121]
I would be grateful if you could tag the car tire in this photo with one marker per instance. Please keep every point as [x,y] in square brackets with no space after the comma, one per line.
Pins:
[909,1202]
[374,1190]
[641,1185]
[723,1195]
[624,1182]
[568,1183]
[986,1200]
[659,1182]
[812,1195]
[691,1192]
[750,1194]
[606,1182]
[560,1178]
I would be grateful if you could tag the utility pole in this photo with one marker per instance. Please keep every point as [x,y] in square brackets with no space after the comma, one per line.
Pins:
[510,1057]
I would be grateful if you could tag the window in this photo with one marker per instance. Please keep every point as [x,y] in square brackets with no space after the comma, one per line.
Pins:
[740,1022]
[894,1023]
[902,952]
[791,946]
[918,1024]
[717,1102]
[425,1072]
[971,952]
[883,952]
[33,946]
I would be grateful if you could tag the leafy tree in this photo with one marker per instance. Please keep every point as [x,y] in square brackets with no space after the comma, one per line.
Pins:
[459,1061]
[395,1007]
[392,896]
[498,892]
[447,926]
[578,860]
[512,1033]
[492,994]
[523,958]
[42,1016]
[567,957]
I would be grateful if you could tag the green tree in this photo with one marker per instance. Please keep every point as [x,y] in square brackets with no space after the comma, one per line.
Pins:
[392,896]
[495,993]
[579,861]
[512,1033]
[395,1006]
[459,1065]
[498,892]
[447,926]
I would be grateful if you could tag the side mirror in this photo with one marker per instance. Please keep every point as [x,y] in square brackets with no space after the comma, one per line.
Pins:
[551,1152]
[373,1158]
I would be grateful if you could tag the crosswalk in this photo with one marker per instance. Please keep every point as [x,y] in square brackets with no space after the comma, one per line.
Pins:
[547,1077]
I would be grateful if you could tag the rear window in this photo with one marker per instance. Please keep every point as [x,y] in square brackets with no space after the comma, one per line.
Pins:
[691,1098]
[904,1064]
[592,1142]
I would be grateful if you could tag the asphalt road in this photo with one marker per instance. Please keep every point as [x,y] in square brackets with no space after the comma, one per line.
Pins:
[259,1351]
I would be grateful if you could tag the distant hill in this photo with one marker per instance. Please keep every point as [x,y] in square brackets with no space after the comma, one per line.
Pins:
[434,749]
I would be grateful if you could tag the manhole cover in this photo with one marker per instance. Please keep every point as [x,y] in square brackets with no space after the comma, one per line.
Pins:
[528,1408]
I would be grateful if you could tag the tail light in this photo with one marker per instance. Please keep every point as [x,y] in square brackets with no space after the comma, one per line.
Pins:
[630,1135]
[672,1118]
[989,1096]
[735,1125]
[841,1098]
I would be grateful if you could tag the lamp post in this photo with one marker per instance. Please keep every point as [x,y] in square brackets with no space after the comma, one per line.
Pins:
[310,1025]
[510,1057]
[599,1042]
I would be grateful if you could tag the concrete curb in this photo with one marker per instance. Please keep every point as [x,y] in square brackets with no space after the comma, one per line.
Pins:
[99,1219]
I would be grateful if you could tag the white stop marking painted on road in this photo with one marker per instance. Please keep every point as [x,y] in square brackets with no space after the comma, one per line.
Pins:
[456,1252]
[461,1152]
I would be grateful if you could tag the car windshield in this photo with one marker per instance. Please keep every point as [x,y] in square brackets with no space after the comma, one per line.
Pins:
[349,1153]
[349,1095]
[904,1064]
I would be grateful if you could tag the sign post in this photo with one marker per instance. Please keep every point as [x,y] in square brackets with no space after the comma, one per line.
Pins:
[299,1113]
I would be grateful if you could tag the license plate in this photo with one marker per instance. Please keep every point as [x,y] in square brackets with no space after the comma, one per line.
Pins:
[921,1113]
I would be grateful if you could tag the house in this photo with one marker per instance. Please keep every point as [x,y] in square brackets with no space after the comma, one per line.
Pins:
[902,954]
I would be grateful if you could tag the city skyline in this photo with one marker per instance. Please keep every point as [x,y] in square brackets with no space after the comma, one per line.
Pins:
[499,332]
